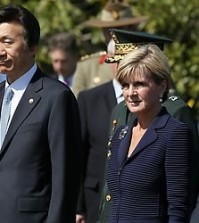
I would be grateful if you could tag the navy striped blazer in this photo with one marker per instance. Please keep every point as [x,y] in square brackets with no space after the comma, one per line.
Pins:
[152,185]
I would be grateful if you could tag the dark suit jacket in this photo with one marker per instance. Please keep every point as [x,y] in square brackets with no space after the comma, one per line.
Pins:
[152,185]
[179,110]
[39,170]
[95,107]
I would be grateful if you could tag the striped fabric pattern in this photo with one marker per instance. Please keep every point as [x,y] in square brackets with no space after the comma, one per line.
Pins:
[152,185]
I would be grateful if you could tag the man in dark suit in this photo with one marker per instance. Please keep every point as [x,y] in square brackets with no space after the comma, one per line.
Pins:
[39,156]
[96,105]
[64,55]
[174,105]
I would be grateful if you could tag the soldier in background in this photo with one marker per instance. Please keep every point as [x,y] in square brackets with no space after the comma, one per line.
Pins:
[93,70]
[96,105]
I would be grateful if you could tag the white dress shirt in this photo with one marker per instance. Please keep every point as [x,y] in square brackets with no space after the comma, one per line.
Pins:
[19,86]
[118,91]
[66,80]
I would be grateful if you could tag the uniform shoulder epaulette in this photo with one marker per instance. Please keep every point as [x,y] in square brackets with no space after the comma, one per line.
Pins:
[93,55]
[173,97]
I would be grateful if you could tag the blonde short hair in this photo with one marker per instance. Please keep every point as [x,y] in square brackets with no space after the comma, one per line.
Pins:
[147,59]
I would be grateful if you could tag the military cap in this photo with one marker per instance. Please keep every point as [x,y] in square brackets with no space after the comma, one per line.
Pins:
[126,41]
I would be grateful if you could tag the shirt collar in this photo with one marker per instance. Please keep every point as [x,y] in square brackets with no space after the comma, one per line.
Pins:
[67,80]
[117,88]
[22,82]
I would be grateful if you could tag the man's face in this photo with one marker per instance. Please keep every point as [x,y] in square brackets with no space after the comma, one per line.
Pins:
[63,62]
[16,57]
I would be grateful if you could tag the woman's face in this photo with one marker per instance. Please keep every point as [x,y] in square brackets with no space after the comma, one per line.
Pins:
[142,94]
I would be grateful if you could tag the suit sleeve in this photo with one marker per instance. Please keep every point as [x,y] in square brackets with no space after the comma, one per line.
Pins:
[186,115]
[85,150]
[65,148]
[177,168]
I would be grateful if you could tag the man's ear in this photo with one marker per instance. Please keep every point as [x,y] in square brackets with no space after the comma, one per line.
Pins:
[33,50]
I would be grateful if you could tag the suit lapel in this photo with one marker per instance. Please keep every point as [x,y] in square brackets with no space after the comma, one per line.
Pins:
[125,137]
[2,90]
[125,140]
[28,101]
[149,137]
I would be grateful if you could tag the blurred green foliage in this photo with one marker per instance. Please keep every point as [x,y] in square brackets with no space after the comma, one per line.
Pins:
[178,20]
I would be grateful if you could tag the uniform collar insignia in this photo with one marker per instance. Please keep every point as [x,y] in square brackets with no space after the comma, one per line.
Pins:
[173,97]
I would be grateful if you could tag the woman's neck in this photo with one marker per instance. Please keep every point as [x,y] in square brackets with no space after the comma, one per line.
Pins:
[145,119]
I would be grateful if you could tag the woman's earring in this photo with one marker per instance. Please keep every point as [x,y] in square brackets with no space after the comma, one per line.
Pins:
[160,99]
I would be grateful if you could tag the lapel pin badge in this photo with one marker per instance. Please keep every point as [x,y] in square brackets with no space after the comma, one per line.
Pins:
[123,132]
[31,101]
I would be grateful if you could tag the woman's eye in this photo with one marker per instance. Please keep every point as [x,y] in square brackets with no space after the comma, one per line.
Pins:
[140,84]
[125,86]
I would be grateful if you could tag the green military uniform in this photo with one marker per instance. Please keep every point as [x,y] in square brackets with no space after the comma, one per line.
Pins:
[90,72]
[179,110]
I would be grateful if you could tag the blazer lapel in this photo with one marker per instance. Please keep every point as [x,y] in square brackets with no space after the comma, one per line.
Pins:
[151,135]
[125,137]
[28,101]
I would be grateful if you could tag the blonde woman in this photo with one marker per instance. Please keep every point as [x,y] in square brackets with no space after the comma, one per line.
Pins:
[149,163]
